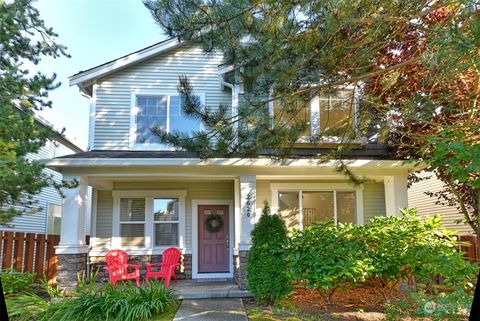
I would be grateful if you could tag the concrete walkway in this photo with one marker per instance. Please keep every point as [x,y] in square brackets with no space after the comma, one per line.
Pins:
[211,310]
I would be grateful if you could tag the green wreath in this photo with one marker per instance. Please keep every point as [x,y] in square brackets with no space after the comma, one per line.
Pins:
[211,226]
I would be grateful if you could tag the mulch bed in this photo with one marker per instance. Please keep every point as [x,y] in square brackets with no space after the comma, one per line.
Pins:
[363,304]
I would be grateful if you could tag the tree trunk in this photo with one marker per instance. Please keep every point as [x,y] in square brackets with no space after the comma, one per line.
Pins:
[475,310]
[3,304]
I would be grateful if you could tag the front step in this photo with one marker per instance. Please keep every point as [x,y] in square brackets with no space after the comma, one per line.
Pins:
[190,289]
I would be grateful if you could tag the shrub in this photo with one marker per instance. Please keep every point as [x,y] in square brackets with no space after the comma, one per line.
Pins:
[384,251]
[328,256]
[267,273]
[16,282]
[120,302]
[437,306]
[409,247]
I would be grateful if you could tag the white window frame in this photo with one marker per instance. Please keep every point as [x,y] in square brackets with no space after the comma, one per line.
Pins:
[315,129]
[319,187]
[49,217]
[149,247]
[164,222]
[133,124]
[144,222]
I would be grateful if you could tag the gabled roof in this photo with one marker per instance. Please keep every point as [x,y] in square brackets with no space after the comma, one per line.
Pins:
[86,78]
[57,135]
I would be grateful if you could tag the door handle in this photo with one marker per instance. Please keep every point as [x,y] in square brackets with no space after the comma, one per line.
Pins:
[227,242]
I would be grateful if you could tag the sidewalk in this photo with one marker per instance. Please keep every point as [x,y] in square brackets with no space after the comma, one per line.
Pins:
[211,310]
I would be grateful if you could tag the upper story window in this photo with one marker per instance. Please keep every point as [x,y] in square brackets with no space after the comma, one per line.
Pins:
[332,115]
[162,110]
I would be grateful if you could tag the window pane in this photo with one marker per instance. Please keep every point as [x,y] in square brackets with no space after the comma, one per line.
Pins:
[151,111]
[346,212]
[317,206]
[54,219]
[178,120]
[166,234]
[132,209]
[165,209]
[294,113]
[288,207]
[132,234]
[336,111]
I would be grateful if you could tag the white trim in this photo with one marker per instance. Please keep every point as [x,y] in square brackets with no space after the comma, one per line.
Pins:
[102,70]
[302,187]
[133,124]
[195,204]
[93,217]
[149,195]
[92,117]
[236,162]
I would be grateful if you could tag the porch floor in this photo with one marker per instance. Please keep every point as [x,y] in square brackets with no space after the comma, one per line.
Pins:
[193,289]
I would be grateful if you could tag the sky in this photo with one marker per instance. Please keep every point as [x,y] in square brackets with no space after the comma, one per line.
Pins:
[95,31]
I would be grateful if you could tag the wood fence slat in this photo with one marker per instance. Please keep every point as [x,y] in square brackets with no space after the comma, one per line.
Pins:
[51,258]
[7,251]
[29,252]
[40,255]
[18,252]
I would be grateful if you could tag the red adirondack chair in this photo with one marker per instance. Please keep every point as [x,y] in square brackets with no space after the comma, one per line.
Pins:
[118,267]
[166,269]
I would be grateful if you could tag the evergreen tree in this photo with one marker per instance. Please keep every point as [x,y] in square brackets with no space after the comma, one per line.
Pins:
[24,40]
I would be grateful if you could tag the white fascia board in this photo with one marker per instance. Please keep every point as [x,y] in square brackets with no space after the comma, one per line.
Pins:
[235,162]
[225,69]
[119,63]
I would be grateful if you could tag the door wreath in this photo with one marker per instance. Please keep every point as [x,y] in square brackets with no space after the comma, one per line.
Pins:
[214,223]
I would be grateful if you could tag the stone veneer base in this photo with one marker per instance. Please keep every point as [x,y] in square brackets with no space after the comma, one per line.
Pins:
[240,266]
[69,266]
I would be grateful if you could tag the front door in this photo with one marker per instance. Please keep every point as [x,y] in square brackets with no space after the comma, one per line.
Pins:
[213,239]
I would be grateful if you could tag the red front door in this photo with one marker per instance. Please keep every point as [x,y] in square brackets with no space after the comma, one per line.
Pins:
[213,246]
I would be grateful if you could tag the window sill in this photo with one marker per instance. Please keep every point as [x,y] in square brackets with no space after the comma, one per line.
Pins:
[139,251]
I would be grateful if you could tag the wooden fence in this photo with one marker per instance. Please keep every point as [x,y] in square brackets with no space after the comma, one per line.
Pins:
[29,252]
[471,248]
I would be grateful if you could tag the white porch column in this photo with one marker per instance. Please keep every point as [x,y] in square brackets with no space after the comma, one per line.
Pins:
[248,195]
[396,196]
[72,233]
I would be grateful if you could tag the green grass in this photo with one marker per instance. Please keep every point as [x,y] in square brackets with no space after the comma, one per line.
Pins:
[167,315]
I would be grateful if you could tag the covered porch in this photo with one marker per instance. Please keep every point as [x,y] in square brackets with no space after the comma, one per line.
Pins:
[194,188]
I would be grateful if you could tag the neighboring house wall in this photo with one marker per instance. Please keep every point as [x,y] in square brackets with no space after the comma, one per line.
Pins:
[115,94]
[49,201]
[426,206]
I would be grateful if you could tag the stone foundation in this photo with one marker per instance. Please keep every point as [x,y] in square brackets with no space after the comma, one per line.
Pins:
[184,271]
[69,266]
[240,269]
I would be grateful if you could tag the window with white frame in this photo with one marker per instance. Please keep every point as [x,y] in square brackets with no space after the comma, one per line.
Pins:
[163,111]
[54,219]
[146,220]
[132,221]
[326,114]
[302,208]
[166,218]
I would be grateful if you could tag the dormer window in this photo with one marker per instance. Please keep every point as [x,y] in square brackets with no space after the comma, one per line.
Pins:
[162,110]
[329,116]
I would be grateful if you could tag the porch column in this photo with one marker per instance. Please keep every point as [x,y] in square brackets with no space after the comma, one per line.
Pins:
[396,196]
[245,219]
[72,249]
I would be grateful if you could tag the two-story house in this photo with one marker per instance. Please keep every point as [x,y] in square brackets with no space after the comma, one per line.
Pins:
[148,197]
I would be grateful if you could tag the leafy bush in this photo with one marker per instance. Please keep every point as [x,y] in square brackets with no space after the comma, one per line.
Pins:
[328,256]
[412,248]
[121,302]
[16,282]
[384,251]
[267,272]
[437,306]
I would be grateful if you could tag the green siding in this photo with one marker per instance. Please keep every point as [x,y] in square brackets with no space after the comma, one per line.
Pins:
[211,190]
[104,219]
